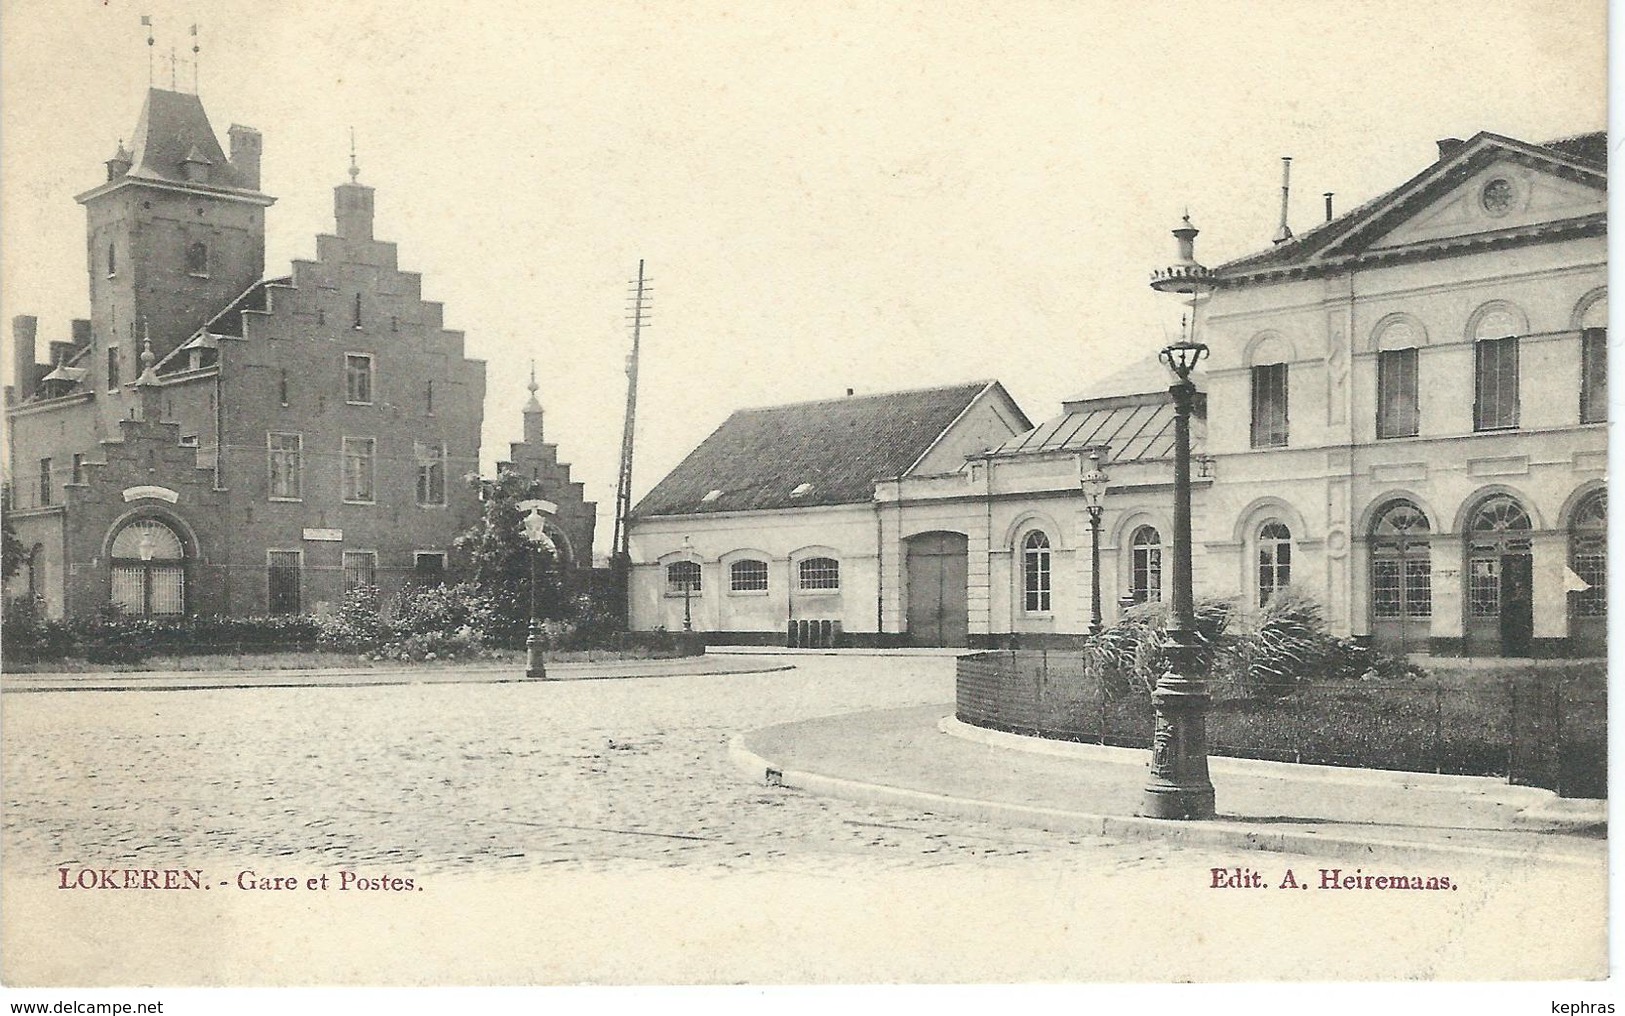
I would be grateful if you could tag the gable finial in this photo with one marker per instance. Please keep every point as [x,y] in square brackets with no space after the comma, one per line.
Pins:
[533,405]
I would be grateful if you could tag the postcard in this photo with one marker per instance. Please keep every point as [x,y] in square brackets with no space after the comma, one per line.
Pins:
[533,495]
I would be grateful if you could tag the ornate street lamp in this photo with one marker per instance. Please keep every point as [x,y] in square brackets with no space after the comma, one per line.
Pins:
[536,511]
[1093,483]
[688,582]
[1179,786]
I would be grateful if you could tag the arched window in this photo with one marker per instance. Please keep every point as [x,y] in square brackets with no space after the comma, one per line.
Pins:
[148,569]
[748,576]
[197,258]
[1274,560]
[1145,565]
[1588,557]
[1499,531]
[683,577]
[1035,572]
[1401,575]
[819,573]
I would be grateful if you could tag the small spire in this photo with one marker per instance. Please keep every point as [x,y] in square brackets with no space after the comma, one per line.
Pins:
[355,170]
[148,358]
[534,405]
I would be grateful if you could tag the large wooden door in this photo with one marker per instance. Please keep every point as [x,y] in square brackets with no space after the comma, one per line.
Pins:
[938,613]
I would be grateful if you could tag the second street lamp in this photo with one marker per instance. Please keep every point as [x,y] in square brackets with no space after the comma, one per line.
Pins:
[1093,483]
[537,541]
[691,569]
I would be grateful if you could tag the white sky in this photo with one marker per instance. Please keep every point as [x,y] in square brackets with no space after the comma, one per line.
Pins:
[828,195]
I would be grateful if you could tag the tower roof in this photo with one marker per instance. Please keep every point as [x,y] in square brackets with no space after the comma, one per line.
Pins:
[174,129]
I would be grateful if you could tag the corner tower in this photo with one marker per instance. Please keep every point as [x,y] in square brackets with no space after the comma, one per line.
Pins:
[175,234]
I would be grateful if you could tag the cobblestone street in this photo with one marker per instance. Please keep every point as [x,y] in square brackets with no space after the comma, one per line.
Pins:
[597,831]
[456,776]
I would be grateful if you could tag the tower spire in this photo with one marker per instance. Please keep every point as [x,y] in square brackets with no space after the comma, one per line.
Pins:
[534,405]
[355,171]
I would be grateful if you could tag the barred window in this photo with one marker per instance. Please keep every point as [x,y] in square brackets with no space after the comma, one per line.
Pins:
[1484,588]
[1398,413]
[1035,569]
[748,576]
[282,581]
[1495,406]
[1269,406]
[429,567]
[683,577]
[820,573]
[431,462]
[283,451]
[1588,556]
[360,569]
[1145,578]
[358,378]
[359,461]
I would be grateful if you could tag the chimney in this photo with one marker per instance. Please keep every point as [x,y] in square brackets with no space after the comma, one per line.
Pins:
[849,393]
[1284,234]
[24,328]
[1448,147]
[245,154]
[1329,206]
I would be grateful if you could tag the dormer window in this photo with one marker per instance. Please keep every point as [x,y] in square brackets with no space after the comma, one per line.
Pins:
[197,259]
[711,495]
[802,490]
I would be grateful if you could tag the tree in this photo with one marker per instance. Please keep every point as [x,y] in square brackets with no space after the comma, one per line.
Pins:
[495,556]
[12,554]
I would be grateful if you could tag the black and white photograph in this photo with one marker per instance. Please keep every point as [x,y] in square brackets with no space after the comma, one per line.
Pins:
[1091,495]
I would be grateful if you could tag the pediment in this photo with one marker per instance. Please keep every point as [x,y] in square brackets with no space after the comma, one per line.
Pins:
[1505,194]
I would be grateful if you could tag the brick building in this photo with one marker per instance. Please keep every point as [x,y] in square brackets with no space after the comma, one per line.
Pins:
[211,440]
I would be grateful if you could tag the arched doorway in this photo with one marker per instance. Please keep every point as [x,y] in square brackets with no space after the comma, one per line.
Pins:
[938,610]
[148,569]
[1500,601]
[1588,579]
[1401,579]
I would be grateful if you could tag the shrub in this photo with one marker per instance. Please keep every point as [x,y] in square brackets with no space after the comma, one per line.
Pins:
[1268,655]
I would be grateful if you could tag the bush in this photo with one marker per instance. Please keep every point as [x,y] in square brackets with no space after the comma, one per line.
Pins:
[1268,655]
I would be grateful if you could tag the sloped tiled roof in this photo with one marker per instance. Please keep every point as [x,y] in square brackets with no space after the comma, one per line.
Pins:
[173,128]
[1588,150]
[1139,431]
[840,447]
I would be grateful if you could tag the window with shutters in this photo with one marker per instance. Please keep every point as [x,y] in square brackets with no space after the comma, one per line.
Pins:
[1398,412]
[1594,375]
[1495,403]
[1269,406]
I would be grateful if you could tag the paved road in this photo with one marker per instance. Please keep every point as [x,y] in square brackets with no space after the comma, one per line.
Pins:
[494,777]
[596,831]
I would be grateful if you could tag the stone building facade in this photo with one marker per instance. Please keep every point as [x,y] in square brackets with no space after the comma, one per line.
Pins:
[1403,416]
[210,440]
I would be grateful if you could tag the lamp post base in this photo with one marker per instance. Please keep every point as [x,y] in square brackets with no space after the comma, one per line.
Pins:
[1179,787]
[535,668]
